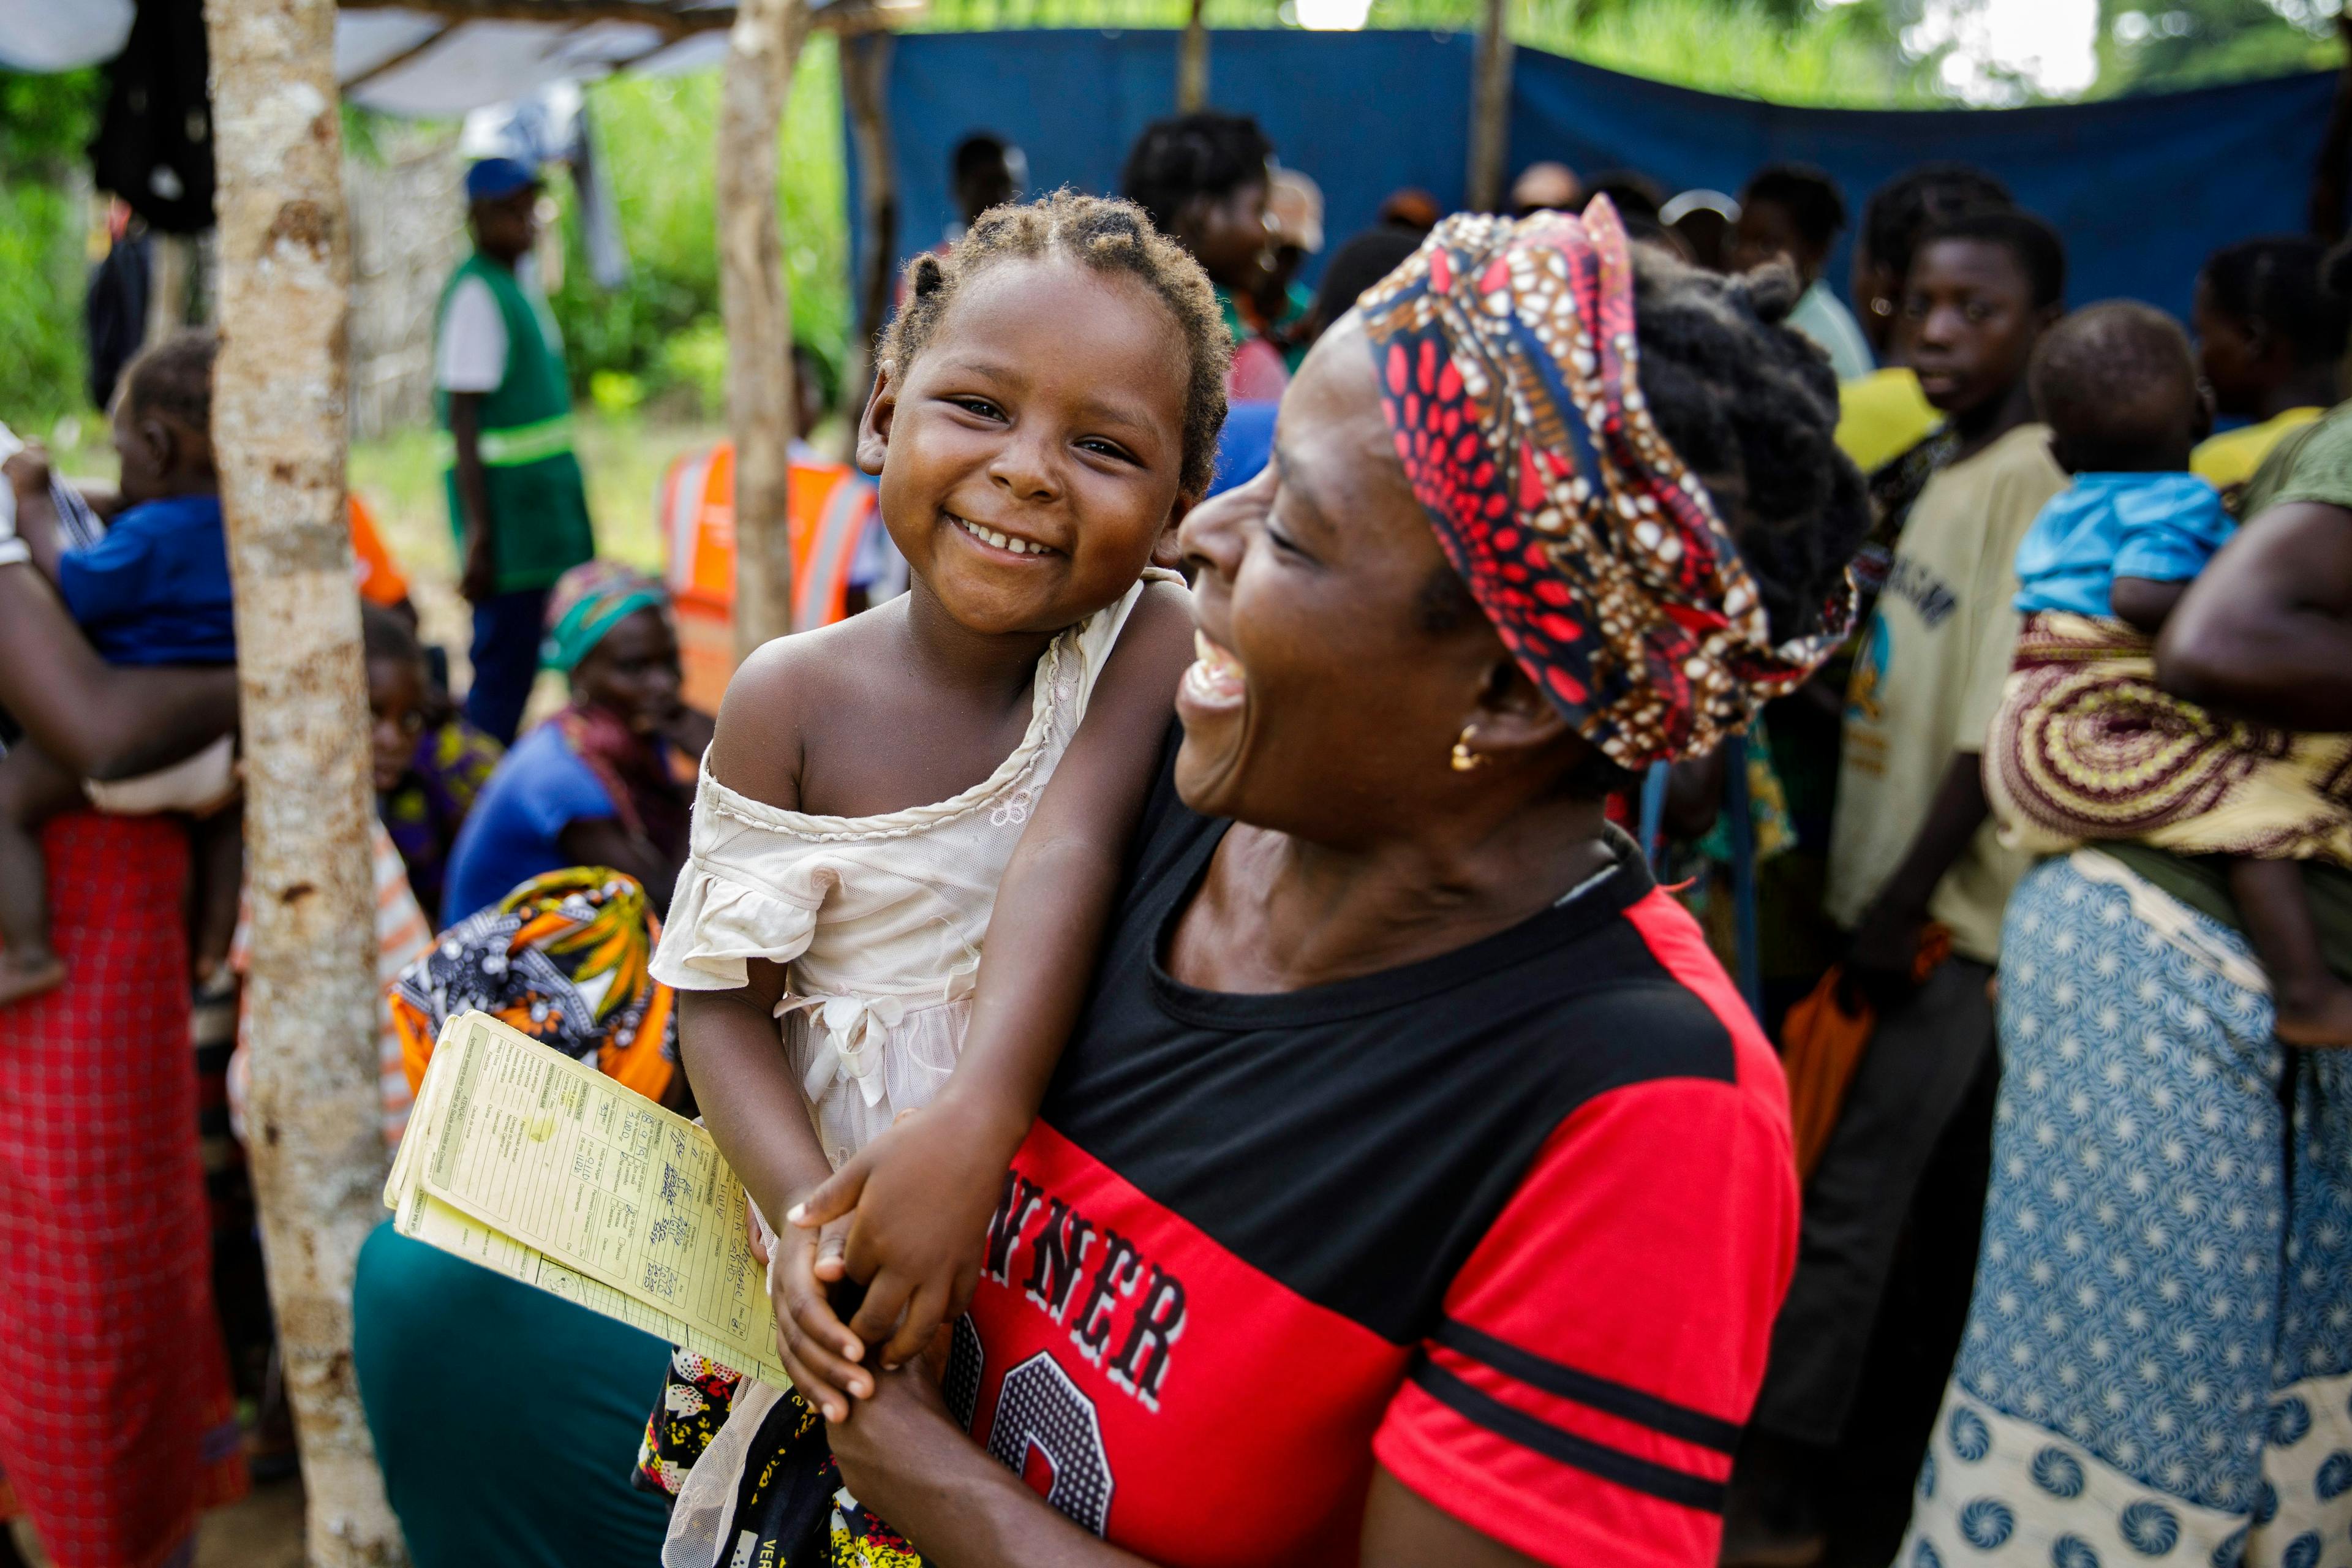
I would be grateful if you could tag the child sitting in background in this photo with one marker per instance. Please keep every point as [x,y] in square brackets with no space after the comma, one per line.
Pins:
[153,591]
[2087,745]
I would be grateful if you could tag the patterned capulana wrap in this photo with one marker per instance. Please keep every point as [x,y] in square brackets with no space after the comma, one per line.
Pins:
[1508,372]
[2088,747]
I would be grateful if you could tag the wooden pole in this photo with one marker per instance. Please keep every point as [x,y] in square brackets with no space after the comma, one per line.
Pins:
[1192,63]
[865,73]
[753,304]
[278,413]
[1490,109]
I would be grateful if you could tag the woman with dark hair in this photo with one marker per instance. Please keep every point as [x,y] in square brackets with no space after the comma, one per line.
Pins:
[2270,331]
[1205,178]
[1415,1188]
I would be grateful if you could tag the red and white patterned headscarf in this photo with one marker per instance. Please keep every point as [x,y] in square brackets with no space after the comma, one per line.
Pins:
[1508,368]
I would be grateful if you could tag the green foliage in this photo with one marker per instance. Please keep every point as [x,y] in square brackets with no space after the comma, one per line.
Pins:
[656,138]
[45,121]
[1787,51]
[1782,51]
[2155,45]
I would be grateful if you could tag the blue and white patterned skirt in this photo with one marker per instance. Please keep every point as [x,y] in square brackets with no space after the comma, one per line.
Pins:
[2158,1365]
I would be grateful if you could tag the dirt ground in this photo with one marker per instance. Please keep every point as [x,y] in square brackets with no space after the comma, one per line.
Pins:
[265,1531]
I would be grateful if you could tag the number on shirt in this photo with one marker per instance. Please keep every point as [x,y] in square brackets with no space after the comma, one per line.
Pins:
[1039,1408]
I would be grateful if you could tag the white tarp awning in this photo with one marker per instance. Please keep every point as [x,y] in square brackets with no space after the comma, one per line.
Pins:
[467,66]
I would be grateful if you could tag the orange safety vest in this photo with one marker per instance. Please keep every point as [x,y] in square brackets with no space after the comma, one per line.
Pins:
[379,577]
[829,507]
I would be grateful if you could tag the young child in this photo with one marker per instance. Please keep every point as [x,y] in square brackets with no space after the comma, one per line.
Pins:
[1045,410]
[153,591]
[2087,745]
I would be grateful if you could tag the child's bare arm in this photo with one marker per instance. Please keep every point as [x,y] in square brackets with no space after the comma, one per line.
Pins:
[2143,604]
[923,1191]
[750,1098]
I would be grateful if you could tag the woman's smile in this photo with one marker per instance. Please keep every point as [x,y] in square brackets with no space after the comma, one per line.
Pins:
[1214,681]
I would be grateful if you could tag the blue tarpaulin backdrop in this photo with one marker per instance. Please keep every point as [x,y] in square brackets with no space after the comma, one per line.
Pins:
[2142,188]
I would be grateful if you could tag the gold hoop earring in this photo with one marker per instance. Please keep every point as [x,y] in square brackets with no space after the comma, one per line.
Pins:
[1466,759]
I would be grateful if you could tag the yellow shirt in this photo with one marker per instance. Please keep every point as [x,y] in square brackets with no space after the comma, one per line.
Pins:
[1882,416]
[2232,458]
[1929,680]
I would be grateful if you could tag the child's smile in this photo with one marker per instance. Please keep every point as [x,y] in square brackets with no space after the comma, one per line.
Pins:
[1007,543]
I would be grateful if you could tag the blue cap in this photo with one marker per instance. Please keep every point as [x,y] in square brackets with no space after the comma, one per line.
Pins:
[492,178]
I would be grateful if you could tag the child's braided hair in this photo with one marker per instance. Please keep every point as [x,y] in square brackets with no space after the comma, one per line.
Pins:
[1104,235]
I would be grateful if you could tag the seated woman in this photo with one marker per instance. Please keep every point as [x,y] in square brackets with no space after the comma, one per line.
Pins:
[1415,1188]
[505,1417]
[116,1419]
[430,762]
[609,780]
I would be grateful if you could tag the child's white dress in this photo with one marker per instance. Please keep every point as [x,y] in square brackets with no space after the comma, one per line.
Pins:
[879,920]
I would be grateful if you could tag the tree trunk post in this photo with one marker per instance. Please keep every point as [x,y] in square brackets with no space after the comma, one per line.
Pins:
[753,304]
[278,413]
[1192,63]
[865,75]
[1490,109]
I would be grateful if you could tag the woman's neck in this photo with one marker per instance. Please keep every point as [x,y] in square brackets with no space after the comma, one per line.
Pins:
[2313,386]
[1988,422]
[946,655]
[1277,912]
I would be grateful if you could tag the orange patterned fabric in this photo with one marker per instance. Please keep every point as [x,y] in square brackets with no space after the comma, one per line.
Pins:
[563,958]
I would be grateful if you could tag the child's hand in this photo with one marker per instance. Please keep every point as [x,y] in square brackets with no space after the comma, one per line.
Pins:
[28,472]
[921,1196]
[818,1352]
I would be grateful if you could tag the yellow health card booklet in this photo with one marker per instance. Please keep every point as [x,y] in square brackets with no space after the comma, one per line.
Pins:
[524,1161]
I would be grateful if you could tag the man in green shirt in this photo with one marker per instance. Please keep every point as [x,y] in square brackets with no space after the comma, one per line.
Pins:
[516,500]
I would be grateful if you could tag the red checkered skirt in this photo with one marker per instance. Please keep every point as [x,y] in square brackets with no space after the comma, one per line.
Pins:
[116,1420]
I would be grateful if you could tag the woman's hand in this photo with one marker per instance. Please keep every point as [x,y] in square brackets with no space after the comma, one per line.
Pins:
[903,1414]
[915,1204]
[819,1353]
[903,1455]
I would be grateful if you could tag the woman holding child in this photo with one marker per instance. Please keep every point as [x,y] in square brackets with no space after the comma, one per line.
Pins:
[2155,1364]
[116,1417]
[1414,1188]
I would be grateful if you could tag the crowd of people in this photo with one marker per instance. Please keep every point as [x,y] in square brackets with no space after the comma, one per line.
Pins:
[1180,948]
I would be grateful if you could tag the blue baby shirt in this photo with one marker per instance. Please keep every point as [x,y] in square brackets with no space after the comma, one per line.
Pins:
[155,589]
[2161,528]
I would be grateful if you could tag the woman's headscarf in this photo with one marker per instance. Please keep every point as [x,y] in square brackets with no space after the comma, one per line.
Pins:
[589,601]
[647,795]
[564,958]
[1507,361]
